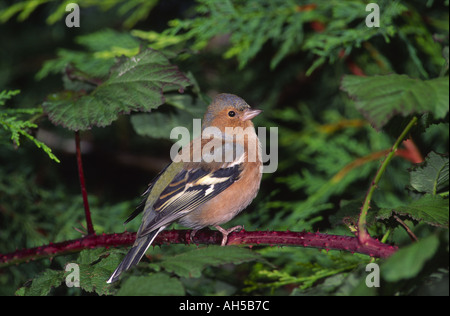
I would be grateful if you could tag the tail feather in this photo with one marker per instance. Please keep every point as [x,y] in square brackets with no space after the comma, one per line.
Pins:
[135,254]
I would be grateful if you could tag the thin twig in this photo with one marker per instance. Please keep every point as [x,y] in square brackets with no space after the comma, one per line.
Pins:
[363,235]
[408,230]
[87,211]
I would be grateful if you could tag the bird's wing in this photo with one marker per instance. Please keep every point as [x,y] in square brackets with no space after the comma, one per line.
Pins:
[189,189]
[140,208]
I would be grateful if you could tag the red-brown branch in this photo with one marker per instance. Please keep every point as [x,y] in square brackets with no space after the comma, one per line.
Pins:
[87,212]
[252,238]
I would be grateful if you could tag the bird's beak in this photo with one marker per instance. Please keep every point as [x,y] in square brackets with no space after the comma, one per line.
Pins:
[249,114]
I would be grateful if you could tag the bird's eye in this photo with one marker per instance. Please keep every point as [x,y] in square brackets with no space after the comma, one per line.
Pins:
[231,113]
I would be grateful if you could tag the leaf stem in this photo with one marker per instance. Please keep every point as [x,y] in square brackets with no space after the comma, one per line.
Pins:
[87,211]
[406,227]
[363,235]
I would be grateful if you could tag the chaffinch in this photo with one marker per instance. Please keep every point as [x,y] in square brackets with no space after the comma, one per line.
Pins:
[203,189]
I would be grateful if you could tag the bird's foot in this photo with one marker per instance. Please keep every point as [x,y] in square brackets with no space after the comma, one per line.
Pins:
[226,232]
[192,235]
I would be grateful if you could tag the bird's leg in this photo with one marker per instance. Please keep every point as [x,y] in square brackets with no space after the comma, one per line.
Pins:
[226,232]
[192,234]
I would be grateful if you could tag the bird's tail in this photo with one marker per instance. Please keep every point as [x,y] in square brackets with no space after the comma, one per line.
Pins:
[135,254]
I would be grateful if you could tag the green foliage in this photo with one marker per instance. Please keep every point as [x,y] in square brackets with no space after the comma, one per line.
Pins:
[409,261]
[155,285]
[134,10]
[12,120]
[42,284]
[92,279]
[251,24]
[430,209]
[135,84]
[101,49]
[191,264]
[171,272]
[379,98]
[159,124]
[313,270]
[431,176]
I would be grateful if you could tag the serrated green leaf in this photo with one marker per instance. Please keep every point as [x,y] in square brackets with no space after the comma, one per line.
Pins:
[94,67]
[93,278]
[407,262]
[160,124]
[95,269]
[101,49]
[135,84]
[379,98]
[43,284]
[432,175]
[89,256]
[190,264]
[159,284]
[431,209]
